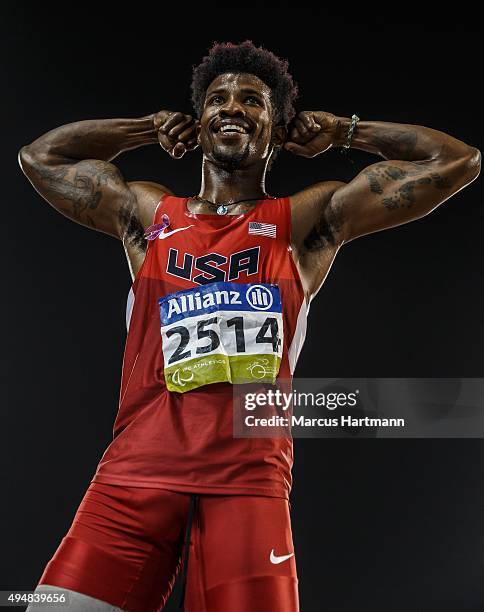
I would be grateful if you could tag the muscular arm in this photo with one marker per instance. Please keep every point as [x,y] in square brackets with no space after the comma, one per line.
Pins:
[423,168]
[71,168]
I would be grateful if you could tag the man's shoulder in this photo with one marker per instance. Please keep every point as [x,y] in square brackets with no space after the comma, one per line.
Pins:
[148,188]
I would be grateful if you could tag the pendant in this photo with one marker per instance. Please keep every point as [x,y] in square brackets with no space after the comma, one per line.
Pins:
[222,209]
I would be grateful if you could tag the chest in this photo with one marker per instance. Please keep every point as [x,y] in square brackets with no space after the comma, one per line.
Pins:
[199,259]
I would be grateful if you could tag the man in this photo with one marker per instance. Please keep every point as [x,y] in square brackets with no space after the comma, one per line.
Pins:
[174,463]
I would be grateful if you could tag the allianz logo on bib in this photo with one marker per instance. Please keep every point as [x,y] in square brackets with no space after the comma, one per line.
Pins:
[259,297]
[219,296]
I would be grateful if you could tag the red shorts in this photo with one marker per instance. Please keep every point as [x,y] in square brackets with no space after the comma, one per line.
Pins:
[125,547]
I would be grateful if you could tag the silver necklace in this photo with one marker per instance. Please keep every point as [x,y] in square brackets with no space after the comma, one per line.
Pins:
[222,208]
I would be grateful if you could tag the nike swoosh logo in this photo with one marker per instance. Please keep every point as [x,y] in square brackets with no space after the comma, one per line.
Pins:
[164,234]
[276,560]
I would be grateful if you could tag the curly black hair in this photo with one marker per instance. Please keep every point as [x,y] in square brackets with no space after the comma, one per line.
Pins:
[246,57]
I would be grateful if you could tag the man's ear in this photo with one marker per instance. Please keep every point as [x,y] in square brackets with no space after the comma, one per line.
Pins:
[279,136]
[198,129]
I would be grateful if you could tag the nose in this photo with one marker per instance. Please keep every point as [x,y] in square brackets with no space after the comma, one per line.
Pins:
[232,107]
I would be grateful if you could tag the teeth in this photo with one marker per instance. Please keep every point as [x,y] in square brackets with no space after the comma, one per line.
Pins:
[233,128]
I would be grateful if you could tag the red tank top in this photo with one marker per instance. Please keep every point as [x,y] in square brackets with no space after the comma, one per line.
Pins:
[174,427]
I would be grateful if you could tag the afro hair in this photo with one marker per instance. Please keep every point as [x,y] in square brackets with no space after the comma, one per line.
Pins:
[246,57]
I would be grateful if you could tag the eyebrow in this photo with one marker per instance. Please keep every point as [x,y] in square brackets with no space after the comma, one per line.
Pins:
[243,90]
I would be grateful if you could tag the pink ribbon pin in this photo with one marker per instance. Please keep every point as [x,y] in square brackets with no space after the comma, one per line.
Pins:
[152,232]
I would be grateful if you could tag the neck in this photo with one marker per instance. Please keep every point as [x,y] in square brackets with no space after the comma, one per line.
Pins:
[222,185]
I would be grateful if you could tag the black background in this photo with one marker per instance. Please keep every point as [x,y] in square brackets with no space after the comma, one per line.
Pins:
[378,524]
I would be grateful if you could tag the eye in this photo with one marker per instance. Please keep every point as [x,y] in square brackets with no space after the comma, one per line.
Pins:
[252,99]
[216,100]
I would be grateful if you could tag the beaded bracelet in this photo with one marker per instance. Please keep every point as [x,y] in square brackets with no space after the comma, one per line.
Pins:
[351,131]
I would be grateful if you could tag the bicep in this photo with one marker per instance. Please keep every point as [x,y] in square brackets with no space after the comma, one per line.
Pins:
[391,193]
[90,192]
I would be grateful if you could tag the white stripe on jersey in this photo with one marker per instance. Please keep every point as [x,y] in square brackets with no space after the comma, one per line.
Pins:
[129,307]
[299,336]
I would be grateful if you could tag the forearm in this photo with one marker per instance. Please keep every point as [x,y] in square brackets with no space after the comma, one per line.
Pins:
[403,141]
[101,139]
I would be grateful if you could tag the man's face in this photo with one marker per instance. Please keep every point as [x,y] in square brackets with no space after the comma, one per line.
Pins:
[236,122]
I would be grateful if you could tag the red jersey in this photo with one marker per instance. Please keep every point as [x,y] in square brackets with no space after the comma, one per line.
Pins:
[216,300]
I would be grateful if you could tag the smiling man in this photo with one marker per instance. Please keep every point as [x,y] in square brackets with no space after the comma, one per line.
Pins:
[222,281]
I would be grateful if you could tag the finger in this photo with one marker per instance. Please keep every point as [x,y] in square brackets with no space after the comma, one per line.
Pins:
[292,147]
[301,127]
[160,119]
[164,141]
[188,133]
[295,136]
[173,119]
[179,150]
[308,120]
[180,127]
[191,144]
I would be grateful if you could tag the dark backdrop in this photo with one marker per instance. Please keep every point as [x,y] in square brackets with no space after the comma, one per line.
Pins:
[378,524]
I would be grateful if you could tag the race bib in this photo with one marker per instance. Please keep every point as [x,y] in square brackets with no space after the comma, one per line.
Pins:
[221,332]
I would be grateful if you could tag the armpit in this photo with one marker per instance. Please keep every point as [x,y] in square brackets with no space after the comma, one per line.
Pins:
[132,230]
[327,231]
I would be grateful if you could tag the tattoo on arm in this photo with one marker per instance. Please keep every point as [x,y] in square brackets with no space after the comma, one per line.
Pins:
[441,182]
[396,144]
[379,172]
[372,177]
[83,191]
[403,196]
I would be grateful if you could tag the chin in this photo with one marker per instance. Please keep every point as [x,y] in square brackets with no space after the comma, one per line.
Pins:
[233,159]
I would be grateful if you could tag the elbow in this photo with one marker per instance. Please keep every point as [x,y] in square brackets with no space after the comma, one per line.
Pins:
[463,167]
[23,154]
[29,156]
[472,163]
[25,157]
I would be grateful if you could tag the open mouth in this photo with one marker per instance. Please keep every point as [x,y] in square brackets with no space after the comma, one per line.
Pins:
[231,128]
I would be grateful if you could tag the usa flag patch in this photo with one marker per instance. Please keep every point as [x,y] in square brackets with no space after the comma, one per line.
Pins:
[262,229]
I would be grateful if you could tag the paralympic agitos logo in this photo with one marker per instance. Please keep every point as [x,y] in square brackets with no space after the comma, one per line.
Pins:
[213,267]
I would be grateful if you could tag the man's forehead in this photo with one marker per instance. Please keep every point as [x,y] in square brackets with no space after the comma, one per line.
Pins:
[239,80]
